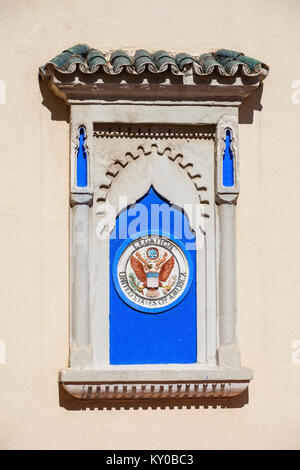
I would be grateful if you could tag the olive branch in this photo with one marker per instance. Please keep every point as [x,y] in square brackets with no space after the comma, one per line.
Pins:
[134,282]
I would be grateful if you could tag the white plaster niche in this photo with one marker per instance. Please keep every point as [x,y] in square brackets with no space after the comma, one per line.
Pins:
[163,126]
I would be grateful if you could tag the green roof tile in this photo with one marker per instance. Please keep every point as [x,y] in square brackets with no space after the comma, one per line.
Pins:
[61,59]
[251,63]
[162,60]
[224,62]
[120,59]
[142,59]
[228,53]
[95,58]
[224,56]
[183,60]
[208,62]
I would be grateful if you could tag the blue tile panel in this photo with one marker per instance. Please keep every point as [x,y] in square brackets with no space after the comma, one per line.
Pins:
[160,338]
[81,171]
[228,162]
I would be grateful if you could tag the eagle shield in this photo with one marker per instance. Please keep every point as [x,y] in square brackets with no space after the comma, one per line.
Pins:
[152,275]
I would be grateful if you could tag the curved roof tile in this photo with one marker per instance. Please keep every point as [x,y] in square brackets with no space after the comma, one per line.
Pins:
[143,59]
[95,59]
[224,62]
[183,61]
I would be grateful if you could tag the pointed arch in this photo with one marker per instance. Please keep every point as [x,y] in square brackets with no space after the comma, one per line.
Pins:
[177,159]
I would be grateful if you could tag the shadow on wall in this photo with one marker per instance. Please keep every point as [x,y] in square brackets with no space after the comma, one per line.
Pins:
[251,104]
[59,110]
[75,404]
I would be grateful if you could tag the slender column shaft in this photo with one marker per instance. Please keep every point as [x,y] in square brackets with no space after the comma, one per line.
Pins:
[80,317]
[228,351]
[227,274]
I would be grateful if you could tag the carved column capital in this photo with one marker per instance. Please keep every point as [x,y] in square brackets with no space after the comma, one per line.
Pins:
[226,198]
[80,198]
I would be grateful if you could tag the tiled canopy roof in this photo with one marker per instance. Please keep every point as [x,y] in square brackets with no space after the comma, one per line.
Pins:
[224,62]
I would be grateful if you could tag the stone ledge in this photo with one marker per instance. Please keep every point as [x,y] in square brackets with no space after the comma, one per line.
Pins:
[134,382]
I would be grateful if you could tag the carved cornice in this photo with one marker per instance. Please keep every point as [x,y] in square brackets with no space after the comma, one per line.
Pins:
[217,90]
[83,73]
[148,390]
[166,381]
[144,134]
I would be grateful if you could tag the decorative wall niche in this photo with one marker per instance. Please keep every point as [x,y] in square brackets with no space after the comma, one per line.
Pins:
[154,163]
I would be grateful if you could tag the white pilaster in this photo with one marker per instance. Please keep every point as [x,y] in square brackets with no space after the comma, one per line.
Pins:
[228,352]
[80,342]
[226,198]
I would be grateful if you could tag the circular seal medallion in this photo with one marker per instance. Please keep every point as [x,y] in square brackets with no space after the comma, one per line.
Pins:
[152,273]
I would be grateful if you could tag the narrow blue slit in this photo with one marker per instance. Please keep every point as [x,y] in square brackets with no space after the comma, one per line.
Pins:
[228,163]
[81,160]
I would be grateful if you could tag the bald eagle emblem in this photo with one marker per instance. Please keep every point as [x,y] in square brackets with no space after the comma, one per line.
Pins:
[153,272]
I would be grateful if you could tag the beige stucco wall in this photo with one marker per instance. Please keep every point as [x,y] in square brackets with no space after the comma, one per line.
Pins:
[34,224]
